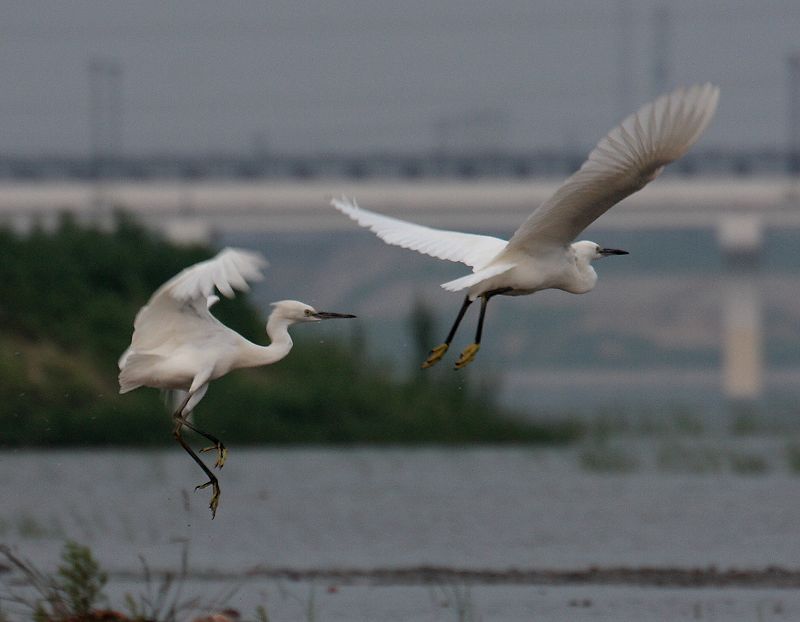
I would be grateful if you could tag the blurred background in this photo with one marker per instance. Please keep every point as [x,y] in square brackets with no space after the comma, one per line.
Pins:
[237,126]
[136,138]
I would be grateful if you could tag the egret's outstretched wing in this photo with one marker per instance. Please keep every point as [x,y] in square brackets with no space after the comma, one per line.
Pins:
[179,309]
[230,269]
[468,248]
[630,156]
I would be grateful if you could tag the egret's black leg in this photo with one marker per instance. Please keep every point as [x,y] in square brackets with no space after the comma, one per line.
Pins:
[479,331]
[471,350]
[212,480]
[222,451]
[438,352]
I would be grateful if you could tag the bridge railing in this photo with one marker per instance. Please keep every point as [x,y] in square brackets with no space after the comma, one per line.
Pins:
[372,165]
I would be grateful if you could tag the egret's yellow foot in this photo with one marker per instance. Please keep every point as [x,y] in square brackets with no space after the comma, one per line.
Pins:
[468,355]
[222,454]
[214,495]
[436,354]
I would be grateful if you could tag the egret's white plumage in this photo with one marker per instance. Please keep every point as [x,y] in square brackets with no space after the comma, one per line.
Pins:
[178,344]
[541,253]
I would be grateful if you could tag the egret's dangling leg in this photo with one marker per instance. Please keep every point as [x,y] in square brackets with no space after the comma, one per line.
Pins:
[219,446]
[471,350]
[438,352]
[187,407]
[212,480]
[468,355]
[180,421]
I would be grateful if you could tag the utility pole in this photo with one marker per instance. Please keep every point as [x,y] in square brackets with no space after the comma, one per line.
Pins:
[793,100]
[662,34]
[624,57]
[105,123]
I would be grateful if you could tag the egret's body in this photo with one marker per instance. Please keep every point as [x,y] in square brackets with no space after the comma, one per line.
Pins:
[179,345]
[541,254]
[570,271]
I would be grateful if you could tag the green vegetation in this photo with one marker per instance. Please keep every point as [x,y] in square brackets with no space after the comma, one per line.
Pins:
[67,303]
[72,593]
[75,592]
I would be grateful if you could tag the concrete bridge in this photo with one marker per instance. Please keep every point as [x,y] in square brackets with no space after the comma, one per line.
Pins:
[184,209]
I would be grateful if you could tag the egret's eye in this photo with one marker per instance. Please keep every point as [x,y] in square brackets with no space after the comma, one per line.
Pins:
[307,312]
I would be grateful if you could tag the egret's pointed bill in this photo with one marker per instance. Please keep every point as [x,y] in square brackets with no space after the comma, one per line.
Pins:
[613,251]
[330,315]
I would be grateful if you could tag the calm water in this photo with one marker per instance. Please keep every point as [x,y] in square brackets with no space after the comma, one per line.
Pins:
[461,508]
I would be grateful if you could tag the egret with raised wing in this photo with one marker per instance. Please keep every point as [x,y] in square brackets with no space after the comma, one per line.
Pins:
[179,345]
[541,253]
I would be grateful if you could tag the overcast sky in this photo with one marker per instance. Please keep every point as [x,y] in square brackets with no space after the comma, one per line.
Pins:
[324,75]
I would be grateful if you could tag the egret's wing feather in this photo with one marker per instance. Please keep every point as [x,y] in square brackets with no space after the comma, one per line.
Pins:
[230,269]
[624,161]
[483,274]
[178,312]
[471,249]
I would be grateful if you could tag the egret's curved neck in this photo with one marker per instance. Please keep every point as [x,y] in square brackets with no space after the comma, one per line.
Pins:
[586,277]
[280,346]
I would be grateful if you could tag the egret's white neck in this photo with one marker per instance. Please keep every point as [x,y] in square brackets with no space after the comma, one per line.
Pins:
[280,346]
[585,277]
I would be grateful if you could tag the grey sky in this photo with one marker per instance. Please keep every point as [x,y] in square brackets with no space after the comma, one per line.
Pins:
[311,75]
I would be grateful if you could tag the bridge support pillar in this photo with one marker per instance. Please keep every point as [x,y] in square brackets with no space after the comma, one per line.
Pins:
[187,230]
[740,239]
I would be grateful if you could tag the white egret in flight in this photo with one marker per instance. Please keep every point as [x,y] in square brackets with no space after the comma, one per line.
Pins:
[179,345]
[541,253]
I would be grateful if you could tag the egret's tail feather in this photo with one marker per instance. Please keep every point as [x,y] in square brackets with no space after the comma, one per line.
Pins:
[123,358]
[136,370]
[477,277]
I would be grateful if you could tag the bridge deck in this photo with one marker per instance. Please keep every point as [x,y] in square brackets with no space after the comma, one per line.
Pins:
[227,206]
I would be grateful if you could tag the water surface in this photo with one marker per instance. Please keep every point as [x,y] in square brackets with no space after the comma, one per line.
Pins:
[487,508]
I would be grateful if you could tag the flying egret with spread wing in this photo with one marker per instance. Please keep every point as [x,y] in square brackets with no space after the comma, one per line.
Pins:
[179,345]
[541,253]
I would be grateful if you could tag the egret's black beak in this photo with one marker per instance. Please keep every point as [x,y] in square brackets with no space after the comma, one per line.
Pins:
[327,315]
[612,251]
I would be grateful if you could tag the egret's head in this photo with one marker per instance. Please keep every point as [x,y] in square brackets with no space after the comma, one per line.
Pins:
[589,251]
[294,311]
